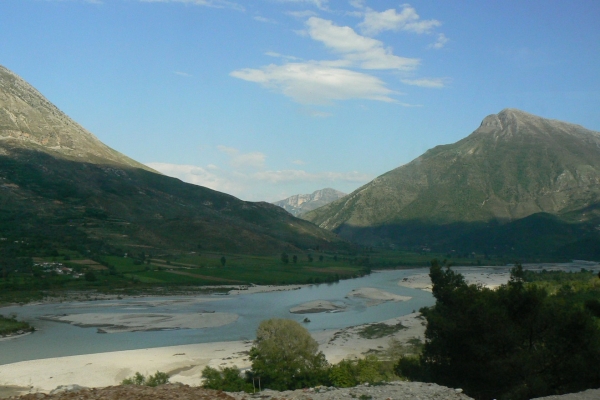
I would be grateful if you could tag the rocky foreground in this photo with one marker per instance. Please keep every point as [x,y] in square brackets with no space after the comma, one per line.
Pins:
[390,391]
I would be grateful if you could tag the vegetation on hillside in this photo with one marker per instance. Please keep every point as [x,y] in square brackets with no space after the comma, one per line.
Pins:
[520,341]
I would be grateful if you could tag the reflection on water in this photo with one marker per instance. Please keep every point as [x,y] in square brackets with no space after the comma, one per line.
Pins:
[55,339]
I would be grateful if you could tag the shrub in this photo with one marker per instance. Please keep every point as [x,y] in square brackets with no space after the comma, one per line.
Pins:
[159,378]
[228,379]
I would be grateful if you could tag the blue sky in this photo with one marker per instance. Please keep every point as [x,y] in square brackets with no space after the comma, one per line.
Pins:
[263,99]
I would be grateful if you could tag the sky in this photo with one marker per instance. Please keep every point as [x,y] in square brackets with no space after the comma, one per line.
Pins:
[263,99]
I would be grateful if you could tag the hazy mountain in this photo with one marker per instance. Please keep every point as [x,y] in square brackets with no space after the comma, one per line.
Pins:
[61,186]
[515,170]
[302,203]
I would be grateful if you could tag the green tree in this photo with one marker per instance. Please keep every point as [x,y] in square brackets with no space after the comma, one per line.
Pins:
[286,357]
[516,342]
[90,276]
[285,258]
[223,261]
[295,259]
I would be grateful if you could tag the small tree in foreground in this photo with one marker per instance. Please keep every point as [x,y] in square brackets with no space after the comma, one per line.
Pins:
[286,357]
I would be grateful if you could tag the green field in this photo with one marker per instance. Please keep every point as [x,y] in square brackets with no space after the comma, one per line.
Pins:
[30,276]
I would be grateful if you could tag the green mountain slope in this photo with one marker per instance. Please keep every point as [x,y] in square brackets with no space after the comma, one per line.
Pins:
[514,166]
[60,186]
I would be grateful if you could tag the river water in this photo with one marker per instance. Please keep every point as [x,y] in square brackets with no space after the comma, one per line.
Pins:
[55,339]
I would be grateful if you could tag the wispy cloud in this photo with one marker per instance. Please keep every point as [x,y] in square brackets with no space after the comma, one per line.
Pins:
[391,20]
[313,83]
[360,4]
[278,55]
[184,74]
[205,3]
[265,20]
[440,42]
[320,4]
[263,185]
[368,53]
[436,83]
[301,14]
[239,159]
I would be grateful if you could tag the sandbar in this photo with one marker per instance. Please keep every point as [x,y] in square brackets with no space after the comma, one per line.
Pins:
[117,322]
[376,296]
[317,306]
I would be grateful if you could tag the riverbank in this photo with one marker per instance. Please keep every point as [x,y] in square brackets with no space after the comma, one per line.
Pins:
[184,363]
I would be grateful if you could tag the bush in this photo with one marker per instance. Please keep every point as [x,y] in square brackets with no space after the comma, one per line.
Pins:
[159,378]
[348,373]
[228,379]
[286,357]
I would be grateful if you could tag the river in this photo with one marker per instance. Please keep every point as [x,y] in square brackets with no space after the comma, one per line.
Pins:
[55,339]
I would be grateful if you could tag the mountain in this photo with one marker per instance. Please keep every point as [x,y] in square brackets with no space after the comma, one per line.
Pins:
[519,183]
[61,187]
[302,203]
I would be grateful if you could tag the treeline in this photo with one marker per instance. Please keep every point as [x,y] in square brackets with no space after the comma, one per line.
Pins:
[516,342]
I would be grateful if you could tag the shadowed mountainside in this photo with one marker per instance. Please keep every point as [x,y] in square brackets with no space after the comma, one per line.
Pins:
[516,175]
[59,184]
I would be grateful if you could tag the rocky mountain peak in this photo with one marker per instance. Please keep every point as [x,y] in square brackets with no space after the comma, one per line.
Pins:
[29,121]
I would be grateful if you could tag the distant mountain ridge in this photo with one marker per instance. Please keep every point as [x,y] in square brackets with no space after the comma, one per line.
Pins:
[62,187]
[515,167]
[302,203]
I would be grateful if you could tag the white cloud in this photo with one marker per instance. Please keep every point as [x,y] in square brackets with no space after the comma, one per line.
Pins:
[390,20]
[261,185]
[184,74]
[301,14]
[360,4]
[239,159]
[263,19]
[368,53]
[278,55]
[436,83]
[320,4]
[440,42]
[207,177]
[298,162]
[205,3]
[313,83]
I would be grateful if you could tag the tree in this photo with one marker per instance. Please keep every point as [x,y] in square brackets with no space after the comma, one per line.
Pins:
[285,258]
[321,258]
[223,261]
[516,342]
[295,259]
[310,258]
[286,357]
[90,276]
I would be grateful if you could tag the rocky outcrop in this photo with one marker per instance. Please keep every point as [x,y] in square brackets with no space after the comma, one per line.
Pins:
[302,203]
